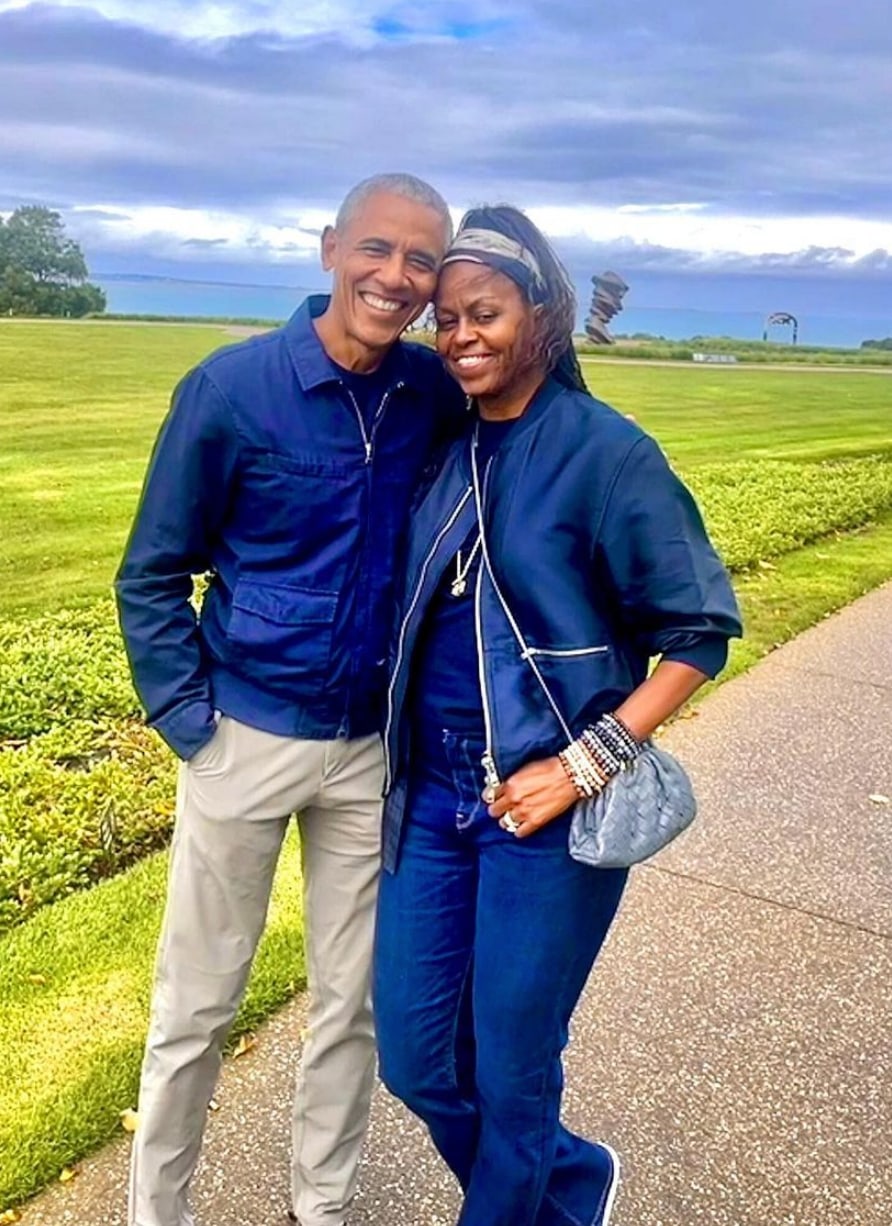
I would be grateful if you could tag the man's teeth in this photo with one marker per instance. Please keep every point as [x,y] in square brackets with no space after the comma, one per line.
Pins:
[382,304]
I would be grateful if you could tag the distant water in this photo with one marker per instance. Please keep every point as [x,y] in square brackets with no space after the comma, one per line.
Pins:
[171,296]
[834,331]
[168,296]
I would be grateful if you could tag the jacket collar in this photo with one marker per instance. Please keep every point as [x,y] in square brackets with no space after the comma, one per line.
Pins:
[537,408]
[313,365]
[535,411]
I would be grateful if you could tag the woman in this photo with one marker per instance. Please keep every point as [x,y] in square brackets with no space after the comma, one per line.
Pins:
[554,546]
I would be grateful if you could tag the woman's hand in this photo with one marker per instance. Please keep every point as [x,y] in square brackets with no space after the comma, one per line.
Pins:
[541,791]
[534,796]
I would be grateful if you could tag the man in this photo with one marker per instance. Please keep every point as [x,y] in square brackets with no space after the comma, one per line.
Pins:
[285,470]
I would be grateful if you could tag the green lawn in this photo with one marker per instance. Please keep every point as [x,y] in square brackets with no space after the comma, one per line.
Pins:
[80,405]
[702,413]
[74,997]
[79,408]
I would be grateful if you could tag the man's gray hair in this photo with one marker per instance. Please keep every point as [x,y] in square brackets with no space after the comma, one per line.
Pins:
[405,185]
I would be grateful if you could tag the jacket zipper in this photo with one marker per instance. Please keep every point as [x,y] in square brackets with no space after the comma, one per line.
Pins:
[416,596]
[489,759]
[368,437]
[490,770]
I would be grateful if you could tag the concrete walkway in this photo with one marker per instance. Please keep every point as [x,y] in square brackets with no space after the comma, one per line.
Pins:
[735,1041]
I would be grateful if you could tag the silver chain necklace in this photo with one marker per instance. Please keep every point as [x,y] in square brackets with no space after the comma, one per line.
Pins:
[459,584]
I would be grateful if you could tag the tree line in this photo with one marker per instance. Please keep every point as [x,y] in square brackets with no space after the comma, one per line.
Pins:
[43,272]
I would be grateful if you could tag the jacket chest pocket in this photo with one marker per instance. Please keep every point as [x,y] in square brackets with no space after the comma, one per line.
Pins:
[295,498]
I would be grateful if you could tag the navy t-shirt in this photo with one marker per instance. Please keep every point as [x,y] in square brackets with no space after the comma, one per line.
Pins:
[445,691]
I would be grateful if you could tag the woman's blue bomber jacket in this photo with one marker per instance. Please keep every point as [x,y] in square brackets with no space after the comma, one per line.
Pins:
[597,552]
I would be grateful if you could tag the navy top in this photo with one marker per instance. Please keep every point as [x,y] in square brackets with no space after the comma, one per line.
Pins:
[445,678]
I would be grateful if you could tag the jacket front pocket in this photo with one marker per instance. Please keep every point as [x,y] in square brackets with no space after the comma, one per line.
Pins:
[580,677]
[286,627]
[564,653]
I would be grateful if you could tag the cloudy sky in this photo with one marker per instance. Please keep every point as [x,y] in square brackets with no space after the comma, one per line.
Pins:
[215,138]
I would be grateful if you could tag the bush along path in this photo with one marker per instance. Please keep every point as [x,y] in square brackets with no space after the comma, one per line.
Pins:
[85,790]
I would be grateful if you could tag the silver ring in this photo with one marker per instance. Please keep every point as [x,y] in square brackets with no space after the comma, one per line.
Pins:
[508,823]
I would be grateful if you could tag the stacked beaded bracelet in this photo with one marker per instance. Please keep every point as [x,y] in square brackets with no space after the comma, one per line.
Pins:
[585,771]
[602,751]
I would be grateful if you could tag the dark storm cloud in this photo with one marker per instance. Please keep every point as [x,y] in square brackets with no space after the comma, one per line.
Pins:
[769,109]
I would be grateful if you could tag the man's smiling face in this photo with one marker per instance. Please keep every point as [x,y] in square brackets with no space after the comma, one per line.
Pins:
[384,263]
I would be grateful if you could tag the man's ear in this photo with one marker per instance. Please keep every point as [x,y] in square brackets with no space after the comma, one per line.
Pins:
[329,246]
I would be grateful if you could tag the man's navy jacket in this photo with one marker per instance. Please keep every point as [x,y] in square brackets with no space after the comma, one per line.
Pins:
[266,477]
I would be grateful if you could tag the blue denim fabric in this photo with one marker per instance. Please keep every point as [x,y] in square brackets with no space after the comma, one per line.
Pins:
[484,944]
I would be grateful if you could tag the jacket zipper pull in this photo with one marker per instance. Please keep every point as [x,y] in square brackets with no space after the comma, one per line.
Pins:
[368,451]
[491,775]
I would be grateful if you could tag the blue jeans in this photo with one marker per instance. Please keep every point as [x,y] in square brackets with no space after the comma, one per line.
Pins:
[484,944]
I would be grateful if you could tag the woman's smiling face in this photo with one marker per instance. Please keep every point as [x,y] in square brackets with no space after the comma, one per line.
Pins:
[486,335]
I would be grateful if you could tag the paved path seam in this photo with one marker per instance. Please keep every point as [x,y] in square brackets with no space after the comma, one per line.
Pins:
[831,676]
[850,925]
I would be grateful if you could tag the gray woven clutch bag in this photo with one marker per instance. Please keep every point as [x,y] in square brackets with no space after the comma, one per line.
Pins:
[642,809]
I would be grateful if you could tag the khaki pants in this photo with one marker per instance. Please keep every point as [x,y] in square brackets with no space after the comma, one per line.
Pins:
[233,804]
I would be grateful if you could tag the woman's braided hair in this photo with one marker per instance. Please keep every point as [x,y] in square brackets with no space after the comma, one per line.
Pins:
[556,297]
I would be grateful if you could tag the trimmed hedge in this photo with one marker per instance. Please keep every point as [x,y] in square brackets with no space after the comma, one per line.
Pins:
[761,509]
[78,804]
[61,667]
[85,789]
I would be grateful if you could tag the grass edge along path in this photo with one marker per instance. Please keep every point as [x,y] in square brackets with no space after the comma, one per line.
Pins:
[74,979]
[781,599]
[74,997]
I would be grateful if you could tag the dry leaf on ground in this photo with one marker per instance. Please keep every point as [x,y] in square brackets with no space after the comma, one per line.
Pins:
[245,1043]
[129,1120]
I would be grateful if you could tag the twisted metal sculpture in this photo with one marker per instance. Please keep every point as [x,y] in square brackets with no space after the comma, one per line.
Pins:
[607,301]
